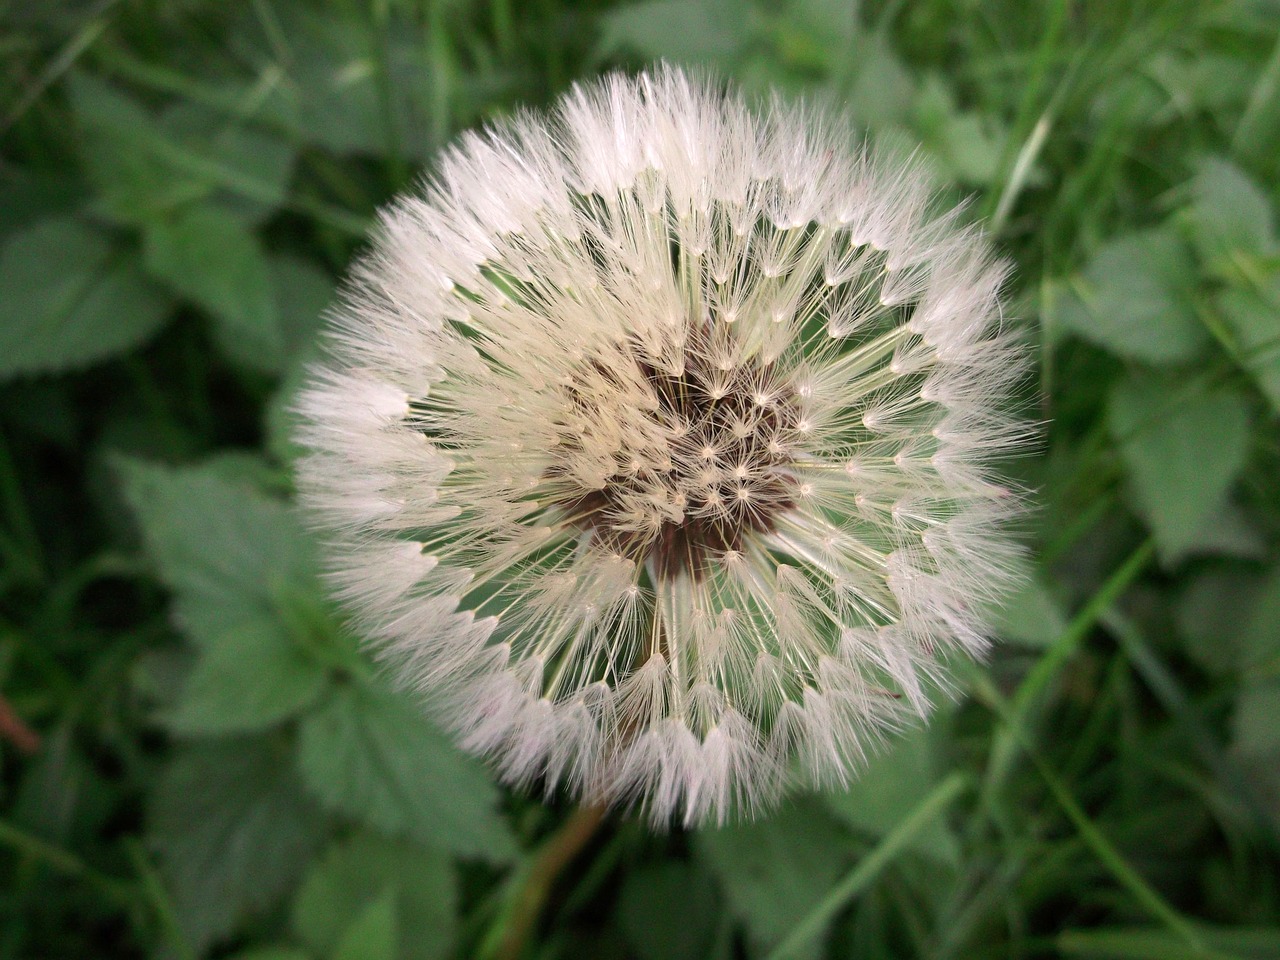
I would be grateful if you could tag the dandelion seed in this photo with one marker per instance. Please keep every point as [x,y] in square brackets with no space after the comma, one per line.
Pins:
[654,446]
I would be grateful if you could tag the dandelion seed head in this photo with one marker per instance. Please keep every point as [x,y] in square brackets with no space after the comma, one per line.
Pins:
[655,445]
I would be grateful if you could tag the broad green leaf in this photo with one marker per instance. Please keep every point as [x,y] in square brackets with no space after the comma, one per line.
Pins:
[271,953]
[880,88]
[1256,730]
[249,679]
[1182,448]
[326,91]
[352,874]
[207,255]
[372,755]
[775,870]
[897,780]
[1253,318]
[71,298]
[144,167]
[1260,638]
[968,145]
[372,935]
[233,829]
[134,183]
[669,911]
[1214,611]
[257,165]
[302,293]
[1030,615]
[226,550]
[1135,299]
[689,31]
[1230,216]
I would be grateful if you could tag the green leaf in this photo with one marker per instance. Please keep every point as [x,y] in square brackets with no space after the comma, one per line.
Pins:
[134,184]
[897,780]
[228,551]
[373,756]
[1256,729]
[329,91]
[71,298]
[210,257]
[144,167]
[1252,316]
[271,953]
[248,679]
[669,911]
[1214,612]
[302,293]
[1230,215]
[775,870]
[233,829]
[1182,450]
[372,935]
[352,874]
[1135,299]
[1030,615]
[967,144]
[690,31]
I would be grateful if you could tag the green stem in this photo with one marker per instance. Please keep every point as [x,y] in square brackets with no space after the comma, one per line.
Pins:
[117,891]
[1094,839]
[533,887]
[1032,689]
[870,866]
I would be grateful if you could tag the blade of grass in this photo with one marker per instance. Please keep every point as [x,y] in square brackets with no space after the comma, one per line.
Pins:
[870,866]
[1094,838]
[1034,686]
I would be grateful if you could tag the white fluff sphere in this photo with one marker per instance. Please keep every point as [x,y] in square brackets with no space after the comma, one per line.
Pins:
[654,445]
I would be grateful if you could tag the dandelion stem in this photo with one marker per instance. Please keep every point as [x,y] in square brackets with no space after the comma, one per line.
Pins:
[534,888]
[870,866]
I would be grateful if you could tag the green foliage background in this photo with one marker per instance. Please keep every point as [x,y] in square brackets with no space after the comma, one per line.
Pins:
[220,771]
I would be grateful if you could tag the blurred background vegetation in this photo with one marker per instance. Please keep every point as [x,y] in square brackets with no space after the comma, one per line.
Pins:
[197,761]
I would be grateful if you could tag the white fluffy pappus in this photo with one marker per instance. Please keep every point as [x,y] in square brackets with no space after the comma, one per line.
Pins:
[655,445]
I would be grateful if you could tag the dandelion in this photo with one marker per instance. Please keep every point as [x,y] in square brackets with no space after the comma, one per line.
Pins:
[655,445]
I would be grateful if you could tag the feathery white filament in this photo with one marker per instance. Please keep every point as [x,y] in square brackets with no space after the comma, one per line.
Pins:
[655,444]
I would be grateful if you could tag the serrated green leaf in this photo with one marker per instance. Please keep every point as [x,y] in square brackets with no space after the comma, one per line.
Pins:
[207,255]
[1182,452]
[351,875]
[233,829]
[897,780]
[249,679]
[1135,299]
[1253,317]
[372,934]
[1230,216]
[71,298]
[775,870]
[372,755]
[669,911]
[226,550]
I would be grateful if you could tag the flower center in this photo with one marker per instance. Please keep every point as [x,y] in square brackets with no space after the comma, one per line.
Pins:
[687,457]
